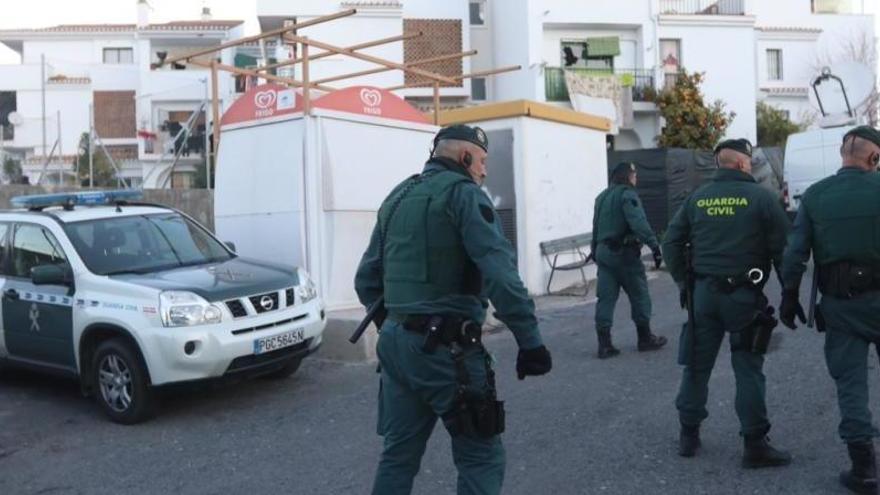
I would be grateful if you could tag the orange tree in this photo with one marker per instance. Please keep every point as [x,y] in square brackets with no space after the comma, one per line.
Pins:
[690,122]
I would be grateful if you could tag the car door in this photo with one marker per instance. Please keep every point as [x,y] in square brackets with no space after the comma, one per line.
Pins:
[5,228]
[37,320]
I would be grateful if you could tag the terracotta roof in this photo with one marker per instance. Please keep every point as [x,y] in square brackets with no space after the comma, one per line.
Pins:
[387,3]
[62,79]
[112,28]
[788,29]
[786,90]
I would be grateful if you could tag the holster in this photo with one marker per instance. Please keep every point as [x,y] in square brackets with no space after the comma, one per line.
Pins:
[476,417]
[444,329]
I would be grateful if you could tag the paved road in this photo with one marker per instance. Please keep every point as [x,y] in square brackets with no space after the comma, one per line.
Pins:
[589,427]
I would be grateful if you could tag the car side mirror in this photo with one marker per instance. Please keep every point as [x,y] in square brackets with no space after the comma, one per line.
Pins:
[50,275]
[230,245]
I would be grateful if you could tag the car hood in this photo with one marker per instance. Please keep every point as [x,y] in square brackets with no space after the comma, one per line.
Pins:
[237,277]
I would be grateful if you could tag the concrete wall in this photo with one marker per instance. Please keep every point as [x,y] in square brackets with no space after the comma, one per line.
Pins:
[197,203]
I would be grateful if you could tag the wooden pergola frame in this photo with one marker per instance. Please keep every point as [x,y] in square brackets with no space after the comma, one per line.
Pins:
[433,79]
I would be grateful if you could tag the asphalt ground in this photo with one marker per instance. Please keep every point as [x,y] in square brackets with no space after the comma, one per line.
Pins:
[589,427]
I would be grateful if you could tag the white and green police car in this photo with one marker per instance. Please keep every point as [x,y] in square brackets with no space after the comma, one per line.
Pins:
[128,297]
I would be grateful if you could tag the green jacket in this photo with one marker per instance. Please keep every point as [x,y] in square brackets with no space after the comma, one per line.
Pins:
[617,215]
[477,230]
[838,219]
[733,225]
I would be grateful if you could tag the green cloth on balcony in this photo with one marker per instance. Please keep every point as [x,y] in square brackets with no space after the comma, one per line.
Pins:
[603,47]
[243,61]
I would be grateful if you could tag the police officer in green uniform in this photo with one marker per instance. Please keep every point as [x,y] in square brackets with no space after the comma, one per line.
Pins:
[839,222]
[437,252]
[619,230]
[734,229]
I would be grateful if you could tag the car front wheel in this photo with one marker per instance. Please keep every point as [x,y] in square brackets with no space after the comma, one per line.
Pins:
[122,388]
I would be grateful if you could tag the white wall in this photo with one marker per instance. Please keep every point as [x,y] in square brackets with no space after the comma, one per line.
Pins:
[729,63]
[620,12]
[517,38]
[72,101]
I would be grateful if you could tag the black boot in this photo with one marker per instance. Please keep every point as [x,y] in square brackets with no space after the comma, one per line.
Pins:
[606,350]
[689,440]
[862,478]
[759,453]
[647,340]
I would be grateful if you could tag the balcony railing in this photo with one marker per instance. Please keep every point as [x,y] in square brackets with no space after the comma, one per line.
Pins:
[640,80]
[703,7]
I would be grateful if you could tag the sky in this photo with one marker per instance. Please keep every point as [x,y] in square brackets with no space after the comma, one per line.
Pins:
[15,14]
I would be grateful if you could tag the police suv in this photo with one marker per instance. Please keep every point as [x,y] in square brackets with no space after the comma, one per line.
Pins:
[128,297]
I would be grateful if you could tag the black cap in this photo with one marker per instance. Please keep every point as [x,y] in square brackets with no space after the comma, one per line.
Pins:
[460,132]
[865,132]
[623,168]
[739,145]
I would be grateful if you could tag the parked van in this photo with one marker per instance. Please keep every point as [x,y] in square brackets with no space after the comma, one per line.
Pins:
[809,157]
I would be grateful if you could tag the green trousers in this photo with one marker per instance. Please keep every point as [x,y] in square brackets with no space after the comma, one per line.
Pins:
[415,389]
[716,314]
[851,325]
[621,269]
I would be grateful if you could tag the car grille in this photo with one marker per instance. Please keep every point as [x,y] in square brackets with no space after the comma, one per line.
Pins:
[236,308]
[268,325]
[256,302]
[289,297]
[251,361]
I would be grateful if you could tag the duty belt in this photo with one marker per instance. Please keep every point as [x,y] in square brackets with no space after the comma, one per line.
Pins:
[846,279]
[441,329]
[626,242]
[753,278]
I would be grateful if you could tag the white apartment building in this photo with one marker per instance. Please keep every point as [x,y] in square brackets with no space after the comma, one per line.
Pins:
[750,50]
[108,68]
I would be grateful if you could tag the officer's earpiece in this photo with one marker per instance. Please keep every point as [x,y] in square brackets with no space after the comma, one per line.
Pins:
[875,159]
[468,160]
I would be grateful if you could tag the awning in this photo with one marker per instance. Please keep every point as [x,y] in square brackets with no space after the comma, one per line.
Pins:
[243,61]
[603,47]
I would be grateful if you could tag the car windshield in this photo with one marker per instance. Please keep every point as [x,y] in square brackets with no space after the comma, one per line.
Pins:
[143,244]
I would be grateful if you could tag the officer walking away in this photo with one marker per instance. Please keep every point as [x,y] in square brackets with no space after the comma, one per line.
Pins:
[724,238]
[437,252]
[619,230]
[839,222]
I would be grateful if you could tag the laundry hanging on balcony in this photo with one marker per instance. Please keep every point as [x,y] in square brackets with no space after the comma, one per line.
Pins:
[601,94]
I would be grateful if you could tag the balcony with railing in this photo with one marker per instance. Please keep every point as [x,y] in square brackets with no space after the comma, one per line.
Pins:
[703,7]
[640,80]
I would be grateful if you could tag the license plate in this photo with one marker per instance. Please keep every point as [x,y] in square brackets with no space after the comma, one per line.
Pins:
[280,341]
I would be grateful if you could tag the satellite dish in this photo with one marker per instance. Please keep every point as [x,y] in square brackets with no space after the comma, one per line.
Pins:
[15,118]
[841,88]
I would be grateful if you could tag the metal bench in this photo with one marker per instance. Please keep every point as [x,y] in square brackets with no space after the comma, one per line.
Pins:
[572,245]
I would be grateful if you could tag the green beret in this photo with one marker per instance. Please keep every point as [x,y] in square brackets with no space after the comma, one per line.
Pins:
[739,145]
[460,132]
[865,132]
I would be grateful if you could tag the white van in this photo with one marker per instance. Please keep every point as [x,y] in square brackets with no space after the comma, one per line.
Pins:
[809,157]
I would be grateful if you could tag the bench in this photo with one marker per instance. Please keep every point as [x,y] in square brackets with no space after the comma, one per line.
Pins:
[572,245]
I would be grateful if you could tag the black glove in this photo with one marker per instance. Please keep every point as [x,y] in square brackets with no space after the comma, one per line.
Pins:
[658,257]
[789,308]
[683,299]
[533,362]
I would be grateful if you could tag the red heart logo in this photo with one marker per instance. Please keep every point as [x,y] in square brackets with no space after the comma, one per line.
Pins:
[371,97]
[265,99]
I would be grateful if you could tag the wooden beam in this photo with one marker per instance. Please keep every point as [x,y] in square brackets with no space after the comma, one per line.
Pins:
[269,77]
[436,103]
[369,58]
[215,108]
[307,101]
[267,34]
[481,73]
[386,69]
[362,46]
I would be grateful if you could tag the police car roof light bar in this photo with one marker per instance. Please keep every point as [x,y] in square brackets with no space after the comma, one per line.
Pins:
[38,202]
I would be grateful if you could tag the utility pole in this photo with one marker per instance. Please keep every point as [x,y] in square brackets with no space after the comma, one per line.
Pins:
[60,153]
[43,96]
[207,140]
[91,145]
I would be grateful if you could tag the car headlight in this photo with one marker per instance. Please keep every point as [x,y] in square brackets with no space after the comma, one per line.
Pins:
[184,309]
[306,290]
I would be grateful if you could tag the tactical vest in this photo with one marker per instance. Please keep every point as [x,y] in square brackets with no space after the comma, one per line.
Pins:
[611,224]
[424,257]
[845,212]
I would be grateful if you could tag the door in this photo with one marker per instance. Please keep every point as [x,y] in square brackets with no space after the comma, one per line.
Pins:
[37,320]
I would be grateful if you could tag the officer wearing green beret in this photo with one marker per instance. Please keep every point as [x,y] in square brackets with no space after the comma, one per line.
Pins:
[839,222]
[436,254]
[734,230]
[619,230]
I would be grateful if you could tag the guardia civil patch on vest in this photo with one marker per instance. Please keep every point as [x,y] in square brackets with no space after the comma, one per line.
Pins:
[488,214]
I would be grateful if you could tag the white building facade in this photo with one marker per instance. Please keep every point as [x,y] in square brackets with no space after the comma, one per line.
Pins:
[110,72]
[750,51]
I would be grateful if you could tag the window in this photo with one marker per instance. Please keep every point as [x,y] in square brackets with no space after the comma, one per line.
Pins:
[576,55]
[118,56]
[4,229]
[34,246]
[774,65]
[478,12]
[837,7]
[670,59]
[8,104]
[478,89]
